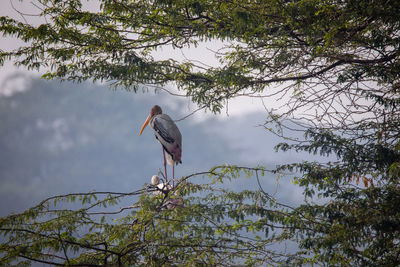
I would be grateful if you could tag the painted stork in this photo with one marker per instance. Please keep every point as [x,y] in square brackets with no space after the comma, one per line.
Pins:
[168,134]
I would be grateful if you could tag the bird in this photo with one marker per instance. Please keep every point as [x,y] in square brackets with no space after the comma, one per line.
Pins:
[169,136]
[161,187]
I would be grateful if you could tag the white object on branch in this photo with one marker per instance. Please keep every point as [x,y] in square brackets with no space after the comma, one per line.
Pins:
[161,187]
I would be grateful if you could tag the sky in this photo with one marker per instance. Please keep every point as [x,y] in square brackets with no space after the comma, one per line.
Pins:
[65,137]
[240,106]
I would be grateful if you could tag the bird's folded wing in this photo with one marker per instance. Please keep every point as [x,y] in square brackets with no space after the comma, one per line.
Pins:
[162,131]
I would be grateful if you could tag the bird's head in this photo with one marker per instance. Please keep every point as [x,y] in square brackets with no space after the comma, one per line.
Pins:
[155,180]
[155,110]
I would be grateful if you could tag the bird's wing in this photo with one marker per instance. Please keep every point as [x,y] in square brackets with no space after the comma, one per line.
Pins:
[162,131]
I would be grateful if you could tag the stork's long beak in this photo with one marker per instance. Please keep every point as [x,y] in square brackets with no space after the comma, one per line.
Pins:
[145,124]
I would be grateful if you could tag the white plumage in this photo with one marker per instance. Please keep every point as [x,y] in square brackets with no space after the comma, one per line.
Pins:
[161,187]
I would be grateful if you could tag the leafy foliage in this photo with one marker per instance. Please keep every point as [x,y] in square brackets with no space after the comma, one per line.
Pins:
[335,66]
[361,214]
[86,229]
[343,45]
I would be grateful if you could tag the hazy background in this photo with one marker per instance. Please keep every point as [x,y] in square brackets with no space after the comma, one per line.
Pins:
[65,137]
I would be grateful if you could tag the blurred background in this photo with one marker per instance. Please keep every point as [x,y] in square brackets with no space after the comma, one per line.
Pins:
[62,137]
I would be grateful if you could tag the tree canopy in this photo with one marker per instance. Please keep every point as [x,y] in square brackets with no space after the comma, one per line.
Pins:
[334,64]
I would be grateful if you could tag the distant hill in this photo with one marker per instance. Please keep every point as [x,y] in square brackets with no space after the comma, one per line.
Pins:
[64,137]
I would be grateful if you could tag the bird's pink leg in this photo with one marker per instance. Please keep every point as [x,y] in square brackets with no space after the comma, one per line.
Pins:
[165,165]
[173,175]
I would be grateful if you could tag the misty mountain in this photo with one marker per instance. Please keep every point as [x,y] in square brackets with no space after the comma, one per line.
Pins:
[65,137]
